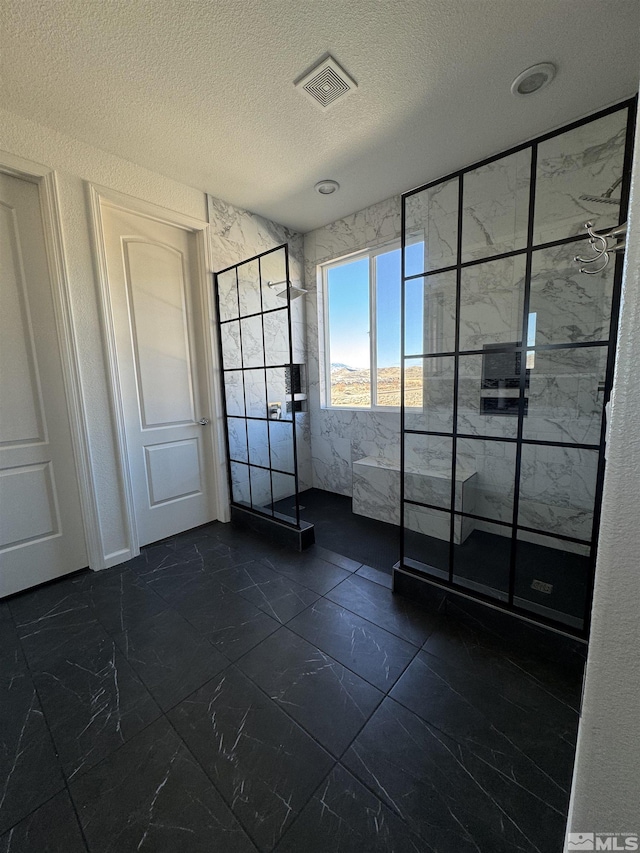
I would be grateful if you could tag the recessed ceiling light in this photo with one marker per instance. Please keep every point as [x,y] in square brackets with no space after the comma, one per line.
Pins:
[533,79]
[327,187]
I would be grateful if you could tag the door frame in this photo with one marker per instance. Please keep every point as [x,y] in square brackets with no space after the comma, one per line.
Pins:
[45,179]
[99,196]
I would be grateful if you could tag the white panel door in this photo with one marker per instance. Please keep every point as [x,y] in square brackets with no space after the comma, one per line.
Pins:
[152,272]
[41,531]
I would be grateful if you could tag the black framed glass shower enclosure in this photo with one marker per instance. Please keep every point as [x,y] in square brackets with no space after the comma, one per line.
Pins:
[260,385]
[505,380]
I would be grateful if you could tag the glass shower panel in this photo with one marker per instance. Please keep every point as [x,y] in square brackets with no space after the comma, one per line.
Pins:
[261,489]
[249,288]
[237,433]
[437,296]
[427,469]
[485,478]
[491,300]
[254,393]
[489,393]
[558,490]
[482,558]
[432,216]
[495,211]
[578,178]
[252,347]
[552,578]
[258,440]
[568,306]
[230,333]
[284,489]
[228,295]
[566,395]
[240,487]
[273,268]
[426,538]
[281,443]
[428,394]
[276,338]
[277,394]
[234,392]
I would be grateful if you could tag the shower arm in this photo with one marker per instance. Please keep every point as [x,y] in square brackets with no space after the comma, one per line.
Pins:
[599,242]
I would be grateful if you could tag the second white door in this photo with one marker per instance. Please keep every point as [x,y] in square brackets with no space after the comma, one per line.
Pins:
[153,279]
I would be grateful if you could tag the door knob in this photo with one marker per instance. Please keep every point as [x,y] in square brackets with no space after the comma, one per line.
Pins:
[203,421]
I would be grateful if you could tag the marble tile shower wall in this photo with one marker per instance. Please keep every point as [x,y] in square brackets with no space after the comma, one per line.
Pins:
[565,399]
[236,235]
[338,438]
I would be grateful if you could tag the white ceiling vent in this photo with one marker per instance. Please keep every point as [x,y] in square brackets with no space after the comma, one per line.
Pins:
[326,83]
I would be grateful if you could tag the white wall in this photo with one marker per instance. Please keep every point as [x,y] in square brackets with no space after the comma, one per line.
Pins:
[74,163]
[606,783]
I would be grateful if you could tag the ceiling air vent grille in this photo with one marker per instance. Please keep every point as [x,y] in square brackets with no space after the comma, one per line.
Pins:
[326,83]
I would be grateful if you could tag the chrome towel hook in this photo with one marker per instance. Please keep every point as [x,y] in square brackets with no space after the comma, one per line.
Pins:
[602,249]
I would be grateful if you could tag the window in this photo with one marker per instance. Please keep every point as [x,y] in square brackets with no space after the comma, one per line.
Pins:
[363,328]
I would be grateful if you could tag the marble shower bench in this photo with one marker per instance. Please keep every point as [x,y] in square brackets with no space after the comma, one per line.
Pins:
[376,494]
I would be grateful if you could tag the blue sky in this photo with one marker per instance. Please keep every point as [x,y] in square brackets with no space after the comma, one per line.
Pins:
[349,309]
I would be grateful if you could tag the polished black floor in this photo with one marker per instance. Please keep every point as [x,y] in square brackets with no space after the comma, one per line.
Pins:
[548,580]
[218,693]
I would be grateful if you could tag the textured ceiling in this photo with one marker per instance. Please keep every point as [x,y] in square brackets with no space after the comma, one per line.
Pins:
[202,90]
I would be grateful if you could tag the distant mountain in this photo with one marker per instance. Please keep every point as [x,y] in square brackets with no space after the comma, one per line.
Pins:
[338,365]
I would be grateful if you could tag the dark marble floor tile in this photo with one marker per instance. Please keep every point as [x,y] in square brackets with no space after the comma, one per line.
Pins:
[328,700]
[262,762]
[344,816]
[523,677]
[376,575]
[446,791]
[120,600]
[228,620]
[52,828]
[337,559]
[152,796]
[53,618]
[170,656]
[309,570]
[474,712]
[395,613]
[276,595]
[94,702]
[29,770]
[370,651]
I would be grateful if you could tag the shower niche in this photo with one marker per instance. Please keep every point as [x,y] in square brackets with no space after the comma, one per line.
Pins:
[516,360]
[263,389]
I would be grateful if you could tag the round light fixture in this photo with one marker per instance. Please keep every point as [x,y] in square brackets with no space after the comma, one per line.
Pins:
[533,79]
[327,187]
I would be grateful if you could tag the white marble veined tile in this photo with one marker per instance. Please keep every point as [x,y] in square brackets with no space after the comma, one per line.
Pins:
[341,237]
[433,216]
[240,483]
[254,392]
[260,488]
[252,347]
[228,295]
[570,307]
[496,207]
[491,301]
[281,442]
[258,438]
[249,288]
[231,354]
[331,460]
[587,160]
[284,486]
[276,337]
[383,222]
[234,393]
[237,432]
